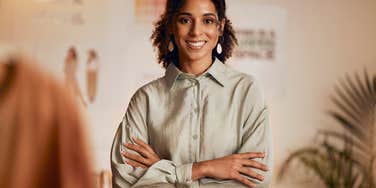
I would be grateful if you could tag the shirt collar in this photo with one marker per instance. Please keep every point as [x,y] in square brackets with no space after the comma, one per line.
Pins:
[216,72]
[172,73]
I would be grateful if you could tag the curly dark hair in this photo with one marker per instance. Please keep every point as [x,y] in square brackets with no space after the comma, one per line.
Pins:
[161,35]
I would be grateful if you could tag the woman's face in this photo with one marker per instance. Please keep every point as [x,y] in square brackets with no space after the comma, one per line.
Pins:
[196,30]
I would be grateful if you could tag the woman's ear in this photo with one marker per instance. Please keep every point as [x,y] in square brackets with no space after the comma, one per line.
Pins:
[222,26]
[170,28]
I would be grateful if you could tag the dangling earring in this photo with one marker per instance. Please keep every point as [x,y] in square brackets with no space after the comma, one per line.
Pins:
[219,48]
[170,46]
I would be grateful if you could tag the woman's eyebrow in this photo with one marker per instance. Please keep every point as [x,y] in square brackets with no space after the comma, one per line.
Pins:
[184,14]
[189,14]
[210,14]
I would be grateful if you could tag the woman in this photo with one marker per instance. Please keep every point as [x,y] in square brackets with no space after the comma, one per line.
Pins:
[201,125]
[42,140]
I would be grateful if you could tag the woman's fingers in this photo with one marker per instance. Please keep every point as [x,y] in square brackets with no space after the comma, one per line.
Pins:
[251,173]
[135,164]
[254,164]
[143,144]
[245,181]
[247,160]
[147,147]
[253,155]
[146,154]
[136,158]
[138,149]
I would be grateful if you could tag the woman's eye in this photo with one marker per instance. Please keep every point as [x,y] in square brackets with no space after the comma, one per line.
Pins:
[184,20]
[208,21]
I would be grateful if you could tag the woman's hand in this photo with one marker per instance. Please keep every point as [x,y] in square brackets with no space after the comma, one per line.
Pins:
[147,155]
[231,167]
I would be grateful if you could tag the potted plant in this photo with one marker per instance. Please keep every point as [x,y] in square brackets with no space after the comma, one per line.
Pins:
[345,159]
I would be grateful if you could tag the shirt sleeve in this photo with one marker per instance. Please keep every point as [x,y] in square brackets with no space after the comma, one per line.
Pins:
[256,135]
[164,172]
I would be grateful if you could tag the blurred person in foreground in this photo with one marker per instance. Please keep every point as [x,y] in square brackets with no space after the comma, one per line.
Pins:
[42,137]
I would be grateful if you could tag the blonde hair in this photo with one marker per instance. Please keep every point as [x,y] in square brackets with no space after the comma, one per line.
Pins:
[42,138]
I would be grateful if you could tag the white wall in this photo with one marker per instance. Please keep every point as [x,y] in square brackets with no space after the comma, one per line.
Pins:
[322,40]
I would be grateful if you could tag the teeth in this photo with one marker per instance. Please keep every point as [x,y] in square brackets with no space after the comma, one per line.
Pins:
[196,44]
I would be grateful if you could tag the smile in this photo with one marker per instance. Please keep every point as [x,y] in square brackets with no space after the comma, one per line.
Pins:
[196,45]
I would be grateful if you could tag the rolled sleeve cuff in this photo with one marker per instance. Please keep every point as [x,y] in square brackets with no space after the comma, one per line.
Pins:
[184,174]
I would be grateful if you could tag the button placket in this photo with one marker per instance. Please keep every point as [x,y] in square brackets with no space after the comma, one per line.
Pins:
[194,118]
[196,130]
[192,144]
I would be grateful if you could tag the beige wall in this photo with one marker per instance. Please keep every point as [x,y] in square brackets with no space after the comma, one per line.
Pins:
[322,41]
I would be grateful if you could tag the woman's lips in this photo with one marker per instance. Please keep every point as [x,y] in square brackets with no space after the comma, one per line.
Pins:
[196,45]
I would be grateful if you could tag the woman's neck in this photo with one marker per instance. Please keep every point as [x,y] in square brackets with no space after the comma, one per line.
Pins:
[195,67]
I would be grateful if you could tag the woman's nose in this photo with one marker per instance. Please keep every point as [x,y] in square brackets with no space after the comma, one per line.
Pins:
[196,29]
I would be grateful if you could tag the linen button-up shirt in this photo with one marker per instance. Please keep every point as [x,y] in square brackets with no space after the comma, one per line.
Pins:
[187,119]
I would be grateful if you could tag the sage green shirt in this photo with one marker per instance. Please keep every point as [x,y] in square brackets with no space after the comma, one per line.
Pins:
[187,119]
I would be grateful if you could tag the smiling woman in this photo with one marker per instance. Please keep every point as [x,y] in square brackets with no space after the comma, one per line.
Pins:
[163,34]
[201,125]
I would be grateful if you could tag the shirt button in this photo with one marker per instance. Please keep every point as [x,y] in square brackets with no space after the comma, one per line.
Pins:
[195,136]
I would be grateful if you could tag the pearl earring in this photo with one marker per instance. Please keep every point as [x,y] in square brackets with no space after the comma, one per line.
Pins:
[219,48]
[170,46]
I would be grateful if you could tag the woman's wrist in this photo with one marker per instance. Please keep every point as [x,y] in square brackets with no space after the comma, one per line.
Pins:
[199,170]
